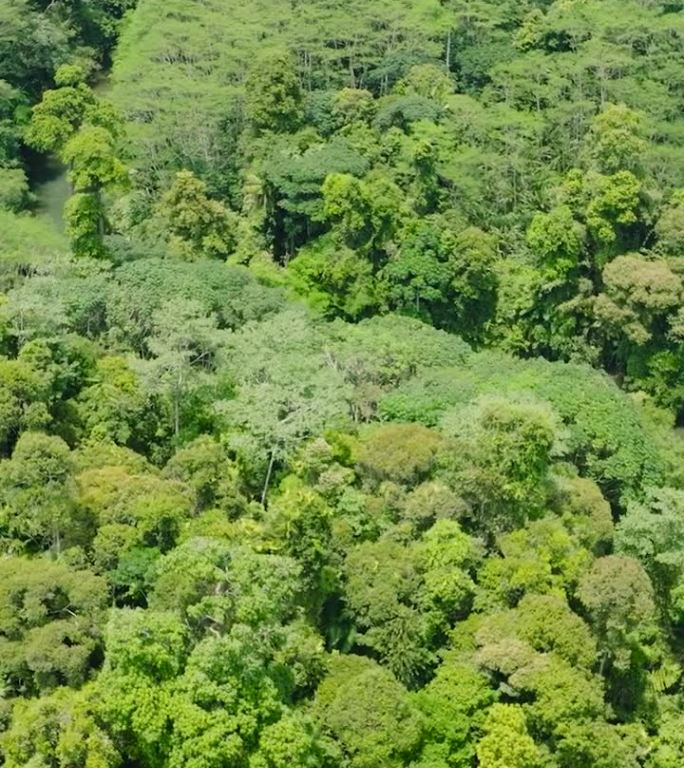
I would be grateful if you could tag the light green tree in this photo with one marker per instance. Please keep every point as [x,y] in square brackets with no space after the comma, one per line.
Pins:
[506,742]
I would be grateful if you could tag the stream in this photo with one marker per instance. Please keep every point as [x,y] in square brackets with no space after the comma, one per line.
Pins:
[52,189]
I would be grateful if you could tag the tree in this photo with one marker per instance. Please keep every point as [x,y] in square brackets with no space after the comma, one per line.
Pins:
[92,159]
[404,599]
[559,695]
[14,189]
[51,624]
[381,587]
[143,286]
[475,283]
[204,465]
[353,106]
[133,508]
[402,453]
[650,532]
[608,204]
[23,401]
[445,556]
[222,702]
[217,586]
[604,745]
[557,240]
[335,279]
[669,746]
[60,113]
[499,460]
[299,522]
[506,742]
[367,714]
[62,726]
[346,203]
[184,354]
[670,226]
[454,704]
[114,405]
[591,418]
[294,176]
[618,596]
[429,81]
[273,94]
[542,623]
[615,141]
[287,391]
[148,643]
[639,296]
[291,740]
[445,277]
[145,652]
[584,512]
[36,488]
[83,216]
[199,225]
[542,558]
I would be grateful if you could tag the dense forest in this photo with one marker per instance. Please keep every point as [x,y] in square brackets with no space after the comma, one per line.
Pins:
[341,384]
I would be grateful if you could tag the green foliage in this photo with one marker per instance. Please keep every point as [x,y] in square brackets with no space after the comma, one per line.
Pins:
[444,277]
[200,226]
[273,94]
[638,296]
[261,503]
[131,509]
[650,532]
[215,585]
[590,408]
[71,122]
[367,714]
[670,227]
[14,189]
[83,220]
[148,644]
[204,465]
[51,621]
[545,624]
[668,747]
[38,503]
[542,558]
[114,405]
[403,453]
[506,742]
[289,741]
[143,287]
[556,240]
[23,400]
[405,598]
[453,705]
[287,393]
[60,729]
[615,140]
[618,597]
[335,279]
[499,460]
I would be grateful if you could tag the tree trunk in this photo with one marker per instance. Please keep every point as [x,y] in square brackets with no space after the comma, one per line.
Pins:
[264,492]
